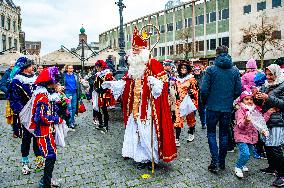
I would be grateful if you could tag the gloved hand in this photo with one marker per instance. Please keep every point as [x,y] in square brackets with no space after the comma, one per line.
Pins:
[106,84]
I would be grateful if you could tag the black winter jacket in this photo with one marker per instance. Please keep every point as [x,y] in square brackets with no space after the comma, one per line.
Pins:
[275,99]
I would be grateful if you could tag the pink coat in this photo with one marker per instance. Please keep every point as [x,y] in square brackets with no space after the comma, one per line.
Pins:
[248,79]
[246,132]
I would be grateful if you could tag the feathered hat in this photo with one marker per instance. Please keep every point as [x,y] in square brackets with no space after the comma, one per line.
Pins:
[21,63]
[138,41]
[101,63]
[48,75]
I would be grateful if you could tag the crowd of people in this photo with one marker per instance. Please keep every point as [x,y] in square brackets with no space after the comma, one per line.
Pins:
[157,99]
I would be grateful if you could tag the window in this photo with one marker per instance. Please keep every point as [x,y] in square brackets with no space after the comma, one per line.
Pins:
[155,52]
[212,44]
[208,44]
[9,24]
[196,45]
[10,42]
[201,45]
[170,50]
[201,19]
[225,41]
[14,26]
[225,14]
[276,3]
[162,29]
[189,22]
[260,37]
[179,48]
[212,16]
[2,21]
[15,44]
[247,9]
[188,47]
[4,42]
[162,51]
[178,25]
[170,27]
[261,6]
[276,34]
[247,38]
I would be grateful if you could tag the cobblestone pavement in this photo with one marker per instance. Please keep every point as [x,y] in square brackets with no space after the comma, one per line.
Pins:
[93,159]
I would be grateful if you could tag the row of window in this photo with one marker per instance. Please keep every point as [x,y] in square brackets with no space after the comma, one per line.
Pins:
[261,37]
[8,24]
[10,45]
[262,6]
[199,20]
[199,46]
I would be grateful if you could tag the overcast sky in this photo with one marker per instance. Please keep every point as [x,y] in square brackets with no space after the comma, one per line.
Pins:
[56,22]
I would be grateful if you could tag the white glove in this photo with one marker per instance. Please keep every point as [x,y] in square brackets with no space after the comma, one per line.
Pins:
[156,86]
[151,80]
[106,84]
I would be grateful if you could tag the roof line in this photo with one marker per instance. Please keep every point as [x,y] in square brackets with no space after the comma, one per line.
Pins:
[147,16]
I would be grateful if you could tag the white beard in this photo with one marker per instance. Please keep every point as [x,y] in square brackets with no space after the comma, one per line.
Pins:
[137,64]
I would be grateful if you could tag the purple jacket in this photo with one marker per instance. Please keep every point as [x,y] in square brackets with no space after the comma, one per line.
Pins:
[247,79]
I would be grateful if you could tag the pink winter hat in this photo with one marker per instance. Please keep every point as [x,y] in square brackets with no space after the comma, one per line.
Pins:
[247,92]
[251,64]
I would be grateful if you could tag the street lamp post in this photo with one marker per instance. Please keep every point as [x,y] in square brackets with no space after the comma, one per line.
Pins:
[121,35]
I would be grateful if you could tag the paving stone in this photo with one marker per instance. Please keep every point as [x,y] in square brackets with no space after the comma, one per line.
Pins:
[92,159]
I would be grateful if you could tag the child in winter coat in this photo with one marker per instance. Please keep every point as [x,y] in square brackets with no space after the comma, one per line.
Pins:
[246,129]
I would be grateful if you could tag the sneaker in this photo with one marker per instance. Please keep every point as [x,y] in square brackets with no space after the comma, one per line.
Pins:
[239,172]
[268,171]
[213,168]
[177,143]
[71,130]
[26,169]
[96,122]
[245,169]
[262,156]
[55,183]
[104,130]
[99,127]
[279,182]
[190,138]
[231,151]
[39,161]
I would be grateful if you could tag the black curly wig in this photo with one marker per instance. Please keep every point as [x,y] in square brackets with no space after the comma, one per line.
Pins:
[188,68]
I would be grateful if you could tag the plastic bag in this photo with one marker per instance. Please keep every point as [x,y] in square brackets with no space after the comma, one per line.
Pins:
[95,99]
[60,134]
[26,115]
[258,122]
[187,106]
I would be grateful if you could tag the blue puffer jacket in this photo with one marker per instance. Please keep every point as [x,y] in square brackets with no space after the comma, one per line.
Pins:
[221,84]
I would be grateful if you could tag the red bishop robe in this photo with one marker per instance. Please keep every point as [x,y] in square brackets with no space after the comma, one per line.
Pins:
[161,113]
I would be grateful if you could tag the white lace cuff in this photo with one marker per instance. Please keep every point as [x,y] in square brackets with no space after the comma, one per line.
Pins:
[156,86]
